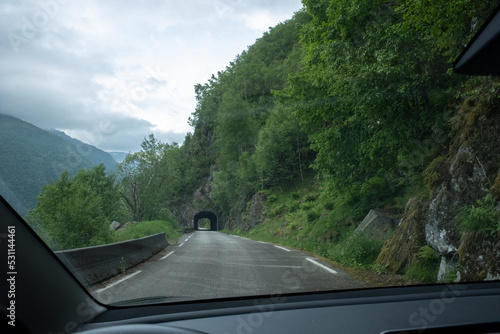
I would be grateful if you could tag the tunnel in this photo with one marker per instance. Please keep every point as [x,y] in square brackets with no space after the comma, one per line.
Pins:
[212,217]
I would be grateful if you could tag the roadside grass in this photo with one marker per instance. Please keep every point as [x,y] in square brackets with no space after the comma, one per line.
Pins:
[311,218]
[312,221]
[361,268]
[142,229]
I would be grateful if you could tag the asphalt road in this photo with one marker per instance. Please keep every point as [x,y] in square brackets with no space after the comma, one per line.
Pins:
[207,264]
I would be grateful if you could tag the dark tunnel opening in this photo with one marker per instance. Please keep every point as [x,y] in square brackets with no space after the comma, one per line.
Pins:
[212,217]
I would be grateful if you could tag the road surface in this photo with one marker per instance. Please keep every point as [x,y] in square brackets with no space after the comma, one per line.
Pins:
[208,264]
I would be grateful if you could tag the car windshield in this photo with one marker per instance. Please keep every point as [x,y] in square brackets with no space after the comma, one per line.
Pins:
[171,151]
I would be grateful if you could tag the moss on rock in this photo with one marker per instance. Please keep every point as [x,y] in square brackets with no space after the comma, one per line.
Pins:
[479,254]
[403,248]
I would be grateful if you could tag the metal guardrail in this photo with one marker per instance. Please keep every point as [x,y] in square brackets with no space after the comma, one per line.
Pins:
[97,263]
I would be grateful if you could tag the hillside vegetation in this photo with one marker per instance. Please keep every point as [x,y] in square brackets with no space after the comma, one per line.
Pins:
[348,106]
[93,154]
[145,228]
[31,158]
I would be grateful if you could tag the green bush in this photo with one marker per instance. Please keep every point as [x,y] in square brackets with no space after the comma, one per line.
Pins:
[357,251]
[329,205]
[166,215]
[428,254]
[272,198]
[307,205]
[482,216]
[426,268]
[276,211]
[310,197]
[145,228]
[374,191]
[312,215]
[292,206]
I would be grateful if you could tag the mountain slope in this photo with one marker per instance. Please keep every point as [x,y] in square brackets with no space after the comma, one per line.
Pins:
[30,159]
[93,154]
[119,156]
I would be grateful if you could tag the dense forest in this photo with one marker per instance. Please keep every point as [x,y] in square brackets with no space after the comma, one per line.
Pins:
[348,106]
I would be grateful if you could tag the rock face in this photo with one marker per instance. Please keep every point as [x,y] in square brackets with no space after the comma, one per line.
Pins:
[479,255]
[199,201]
[448,264]
[440,229]
[377,224]
[473,167]
[463,176]
[115,225]
[466,184]
[408,237]
[255,212]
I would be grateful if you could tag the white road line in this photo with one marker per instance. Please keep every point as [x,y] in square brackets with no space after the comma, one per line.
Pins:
[167,255]
[119,281]
[263,265]
[262,242]
[283,248]
[321,265]
[181,245]
[277,266]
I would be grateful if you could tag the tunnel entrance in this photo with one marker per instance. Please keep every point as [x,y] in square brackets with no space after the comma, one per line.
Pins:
[205,220]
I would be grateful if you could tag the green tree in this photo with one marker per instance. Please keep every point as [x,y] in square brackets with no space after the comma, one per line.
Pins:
[369,94]
[76,212]
[160,176]
[447,25]
[237,104]
[142,179]
[282,150]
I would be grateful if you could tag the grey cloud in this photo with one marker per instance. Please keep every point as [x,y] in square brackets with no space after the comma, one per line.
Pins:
[69,70]
[128,137]
[112,132]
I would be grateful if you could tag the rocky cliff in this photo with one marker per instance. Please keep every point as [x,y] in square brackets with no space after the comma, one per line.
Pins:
[198,201]
[468,171]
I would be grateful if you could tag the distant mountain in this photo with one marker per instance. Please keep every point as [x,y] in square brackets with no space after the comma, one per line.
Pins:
[31,158]
[95,155]
[118,156]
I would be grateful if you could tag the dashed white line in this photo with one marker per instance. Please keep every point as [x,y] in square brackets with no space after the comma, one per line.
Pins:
[167,255]
[119,281]
[181,245]
[283,248]
[277,266]
[262,242]
[321,265]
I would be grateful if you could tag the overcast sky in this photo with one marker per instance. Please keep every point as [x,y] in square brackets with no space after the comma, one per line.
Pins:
[110,72]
